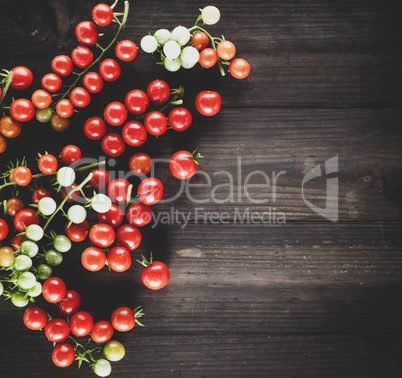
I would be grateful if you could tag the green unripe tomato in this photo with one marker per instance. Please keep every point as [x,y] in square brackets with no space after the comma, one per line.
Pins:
[29,248]
[34,232]
[26,280]
[19,299]
[53,257]
[102,368]
[43,115]
[44,271]
[47,206]
[62,243]
[114,350]
[35,290]
[22,262]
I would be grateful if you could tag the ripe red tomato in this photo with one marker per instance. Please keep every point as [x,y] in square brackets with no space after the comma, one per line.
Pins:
[158,92]
[3,229]
[82,56]
[183,164]
[136,101]
[155,123]
[22,78]
[38,194]
[113,217]
[126,50]
[77,232]
[113,145]
[155,275]
[63,355]
[14,205]
[81,323]
[140,164]
[95,128]
[68,189]
[3,144]
[35,318]
[119,259]
[22,176]
[80,97]
[102,14]
[123,319]
[115,113]
[70,154]
[51,82]
[128,237]
[102,235]
[180,119]
[9,127]
[93,259]
[139,214]
[25,218]
[22,110]
[200,40]
[54,290]
[208,103]
[134,133]
[109,69]
[70,303]
[41,99]
[239,68]
[92,82]
[226,50]
[150,191]
[100,178]
[47,164]
[16,242]
[86,33]
[208,58]
[102,332]
[117,190]
[57,330]
[62,65]
[65,108]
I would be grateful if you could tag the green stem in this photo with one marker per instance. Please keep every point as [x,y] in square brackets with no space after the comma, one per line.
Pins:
[94,165]
[9,77]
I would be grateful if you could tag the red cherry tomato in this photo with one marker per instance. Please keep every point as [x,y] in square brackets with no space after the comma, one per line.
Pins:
[102,235]
[22,78]
[200,40]
[82,56]
[100,178]
[136,101]
[65,108]
[140,164]
[3,229]
[63,355]
[22,176]
[14,205]
[134,133]
[86,33]
[81,323]
[35,318]
[226,50]
[158,92]
[150,191]
[57,330]
[16,242]
[126,50]
[62,65]
[38,194]
[155,123]
[155,276]
[70,303]
[51,82]
[9,127]
[239,68]
[119,259]
[95,128]
[25,218]
[3,144]
[129,237]
[208,58]
[47,164]
[54,290]
[109,69]
[117,190]
[102,14]
[68,189]
[93,259]
[113,217]
[208,103]
[92,82]
[77,232]
[80,97]
[182,165]
[115,113]
[41,99]
[139,214]
[22,110]
[102,332]
[70,154]
[123,319]
[113,145]
[180,119]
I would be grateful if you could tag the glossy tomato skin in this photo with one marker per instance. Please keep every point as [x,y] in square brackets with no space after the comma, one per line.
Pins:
[126,50]
[200,40]
[208,58]
[93,259]
[102,235]
[35,318]
[62,65]
[41,99]
[226,50]
[22,78]
[70,304]
[95,128]
[48,164]
[208,103]
[239,68]
[140,163]
[113,145]
[14,205]
[59,124]
[113,217]
[102,332]
[139,214]
[63,355]
[82,56]
[22,110]
[102,14]
[70,154]
[115,113]
[134,133]
[110,70]
[57,330]
[155,123]
[16,242]
[156,276]
[22,176]
[150,191]
[25,218]
[86,33]
[129,237]
[136,101]
[119,259]
[38,194]
[100,178]
[51,82]
[81,323]
[123,319]
[92,82]
[80,97]
[3,144]
[54,290]
[182,165]
[77,232]
[65,108]
[158,92]
[117,190]
[180,119]
[3,229]
[9,127]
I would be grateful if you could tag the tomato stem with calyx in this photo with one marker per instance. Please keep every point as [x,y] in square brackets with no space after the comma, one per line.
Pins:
[8,82]
[145,262]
